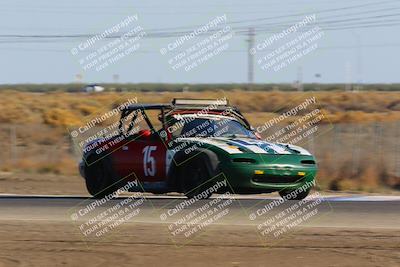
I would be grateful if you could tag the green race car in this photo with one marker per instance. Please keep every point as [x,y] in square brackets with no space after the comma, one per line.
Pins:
[201,147]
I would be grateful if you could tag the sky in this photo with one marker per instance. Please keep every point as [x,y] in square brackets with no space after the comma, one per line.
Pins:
[349,41]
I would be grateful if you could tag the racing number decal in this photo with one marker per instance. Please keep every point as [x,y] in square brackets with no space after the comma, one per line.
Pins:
[149,159]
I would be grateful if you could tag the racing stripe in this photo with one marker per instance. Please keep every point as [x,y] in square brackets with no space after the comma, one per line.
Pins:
[257,149]
[278,148]
[257,146]
[229,142]
[246,146]
[237,146]
[222,145]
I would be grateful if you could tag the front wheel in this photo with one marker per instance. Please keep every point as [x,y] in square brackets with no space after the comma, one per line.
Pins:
[193,178]
[294,194]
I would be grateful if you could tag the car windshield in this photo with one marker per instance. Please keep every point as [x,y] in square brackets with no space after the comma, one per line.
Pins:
[213,127]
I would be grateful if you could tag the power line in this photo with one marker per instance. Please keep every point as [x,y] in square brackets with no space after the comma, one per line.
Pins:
[278,28]
[190,28]
[147,51]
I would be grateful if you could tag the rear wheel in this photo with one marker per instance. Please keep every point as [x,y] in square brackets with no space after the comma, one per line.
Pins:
[294,195]
[193,178]
[98,177]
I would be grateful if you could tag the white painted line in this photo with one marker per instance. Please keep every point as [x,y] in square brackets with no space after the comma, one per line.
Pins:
[364,198]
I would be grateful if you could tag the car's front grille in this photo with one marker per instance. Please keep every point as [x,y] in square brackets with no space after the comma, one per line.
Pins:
[277,179]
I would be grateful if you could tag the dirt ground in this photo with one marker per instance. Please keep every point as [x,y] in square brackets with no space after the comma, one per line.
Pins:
[32,243]
[41,184]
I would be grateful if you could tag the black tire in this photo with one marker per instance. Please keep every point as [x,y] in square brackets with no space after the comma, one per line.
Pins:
[193,177]
[99,177]
[299,196]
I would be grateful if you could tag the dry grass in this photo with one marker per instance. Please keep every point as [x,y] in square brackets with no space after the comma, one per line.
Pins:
[66,109]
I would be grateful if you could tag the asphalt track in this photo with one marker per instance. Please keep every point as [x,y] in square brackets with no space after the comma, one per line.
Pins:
[334,211]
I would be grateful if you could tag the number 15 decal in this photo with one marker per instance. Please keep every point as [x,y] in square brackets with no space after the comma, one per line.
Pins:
[149,159]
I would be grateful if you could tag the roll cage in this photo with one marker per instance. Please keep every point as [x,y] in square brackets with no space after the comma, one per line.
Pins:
[167,111]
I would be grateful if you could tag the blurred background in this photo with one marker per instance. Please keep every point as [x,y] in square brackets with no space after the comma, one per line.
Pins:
[46,88]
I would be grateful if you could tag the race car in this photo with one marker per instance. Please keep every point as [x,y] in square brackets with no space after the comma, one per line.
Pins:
[199,143]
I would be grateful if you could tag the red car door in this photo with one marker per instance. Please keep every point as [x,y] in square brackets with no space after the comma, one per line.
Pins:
[145,157]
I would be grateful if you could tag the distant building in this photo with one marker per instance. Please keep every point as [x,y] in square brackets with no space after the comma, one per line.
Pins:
[90,88]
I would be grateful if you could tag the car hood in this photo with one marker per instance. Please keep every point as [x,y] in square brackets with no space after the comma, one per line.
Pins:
[247,145]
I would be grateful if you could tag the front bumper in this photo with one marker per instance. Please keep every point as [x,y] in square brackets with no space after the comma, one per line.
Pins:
[269,173]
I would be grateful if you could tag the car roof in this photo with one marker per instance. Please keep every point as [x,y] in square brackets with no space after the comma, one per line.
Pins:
[183,104]
[174,107]
[204,116]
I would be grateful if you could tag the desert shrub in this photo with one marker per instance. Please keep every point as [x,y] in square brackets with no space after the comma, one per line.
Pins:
[60,117]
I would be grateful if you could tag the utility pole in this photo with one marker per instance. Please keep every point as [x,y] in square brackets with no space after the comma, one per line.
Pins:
[348,77]
[299,78]
[250,56]
[115,78]
[78,78]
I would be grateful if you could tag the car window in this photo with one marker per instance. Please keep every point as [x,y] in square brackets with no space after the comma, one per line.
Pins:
[211,127]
